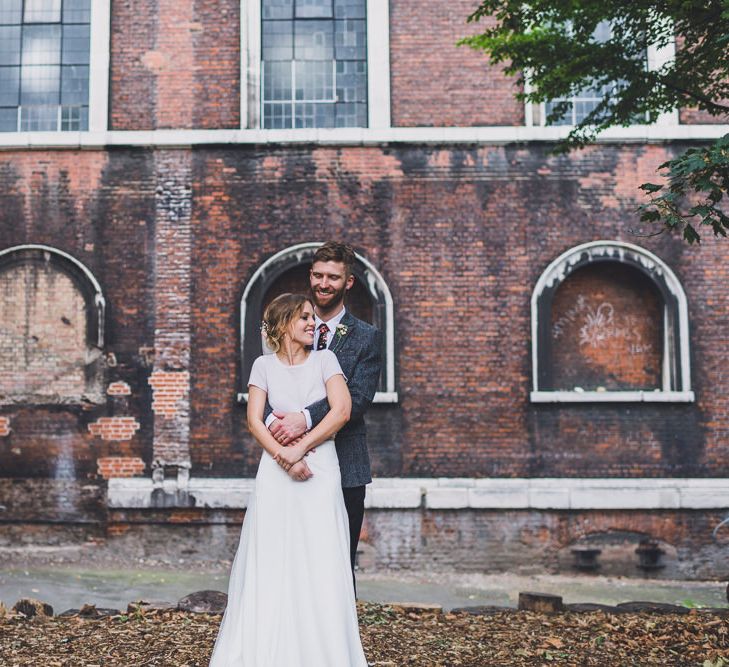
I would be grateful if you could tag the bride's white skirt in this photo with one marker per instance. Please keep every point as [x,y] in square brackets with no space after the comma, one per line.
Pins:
[291,597]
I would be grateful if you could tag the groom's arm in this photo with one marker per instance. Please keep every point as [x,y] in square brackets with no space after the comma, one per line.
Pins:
[362,385]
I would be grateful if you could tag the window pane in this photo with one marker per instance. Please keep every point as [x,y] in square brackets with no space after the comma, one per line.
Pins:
[314,80]
[76,44]
[314,40]
[277,9]
[9,120]
[349,9]
[351,81]
[9,86]
[74,118]
[39,118]
[351,40]
[277,40]
[351,115]
[40,84]
[75,84]
[42,11]
[11,11]
[565,120]
[42,45]
[9,45]
[76,11]
[314,115]
[317,9]
[277,116]
[277,80]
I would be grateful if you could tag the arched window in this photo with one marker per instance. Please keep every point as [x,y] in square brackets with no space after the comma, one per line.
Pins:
[288,271]
[609,323]
[51,328]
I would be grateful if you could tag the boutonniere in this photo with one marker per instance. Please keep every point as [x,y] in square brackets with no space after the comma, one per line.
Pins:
[341,330]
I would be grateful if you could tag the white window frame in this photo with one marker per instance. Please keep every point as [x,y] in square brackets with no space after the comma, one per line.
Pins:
[656,57]
[100,46]
[378,66]
[559,270]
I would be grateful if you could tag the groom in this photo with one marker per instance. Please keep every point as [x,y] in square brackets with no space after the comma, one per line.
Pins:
[357,347]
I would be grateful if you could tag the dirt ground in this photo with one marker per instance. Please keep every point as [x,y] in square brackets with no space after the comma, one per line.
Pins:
[393,636]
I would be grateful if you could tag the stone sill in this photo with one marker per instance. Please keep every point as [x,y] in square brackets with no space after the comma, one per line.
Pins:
[449,493]
[184,138]
[612,397]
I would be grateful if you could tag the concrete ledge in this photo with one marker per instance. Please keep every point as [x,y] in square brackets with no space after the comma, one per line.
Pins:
[465,493]
[347,136]
[612,397]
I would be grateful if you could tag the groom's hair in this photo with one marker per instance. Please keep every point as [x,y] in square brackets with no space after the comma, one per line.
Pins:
[334,251]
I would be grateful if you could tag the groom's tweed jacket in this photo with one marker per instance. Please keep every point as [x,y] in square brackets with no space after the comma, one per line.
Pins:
[359,354]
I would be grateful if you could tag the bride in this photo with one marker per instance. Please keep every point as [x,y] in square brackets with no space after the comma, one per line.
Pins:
[291,597]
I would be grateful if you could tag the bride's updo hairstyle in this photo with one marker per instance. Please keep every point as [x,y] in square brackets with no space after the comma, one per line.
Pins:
[279,314]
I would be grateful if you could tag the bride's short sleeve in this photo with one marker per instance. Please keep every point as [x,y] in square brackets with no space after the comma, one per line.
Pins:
[258,374]
[330,365]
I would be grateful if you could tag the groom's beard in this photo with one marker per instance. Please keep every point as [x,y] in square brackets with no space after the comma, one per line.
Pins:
[328,299]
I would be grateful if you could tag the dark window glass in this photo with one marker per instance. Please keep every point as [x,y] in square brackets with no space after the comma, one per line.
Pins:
[314,71]
[314,40]
[9,86]
[42,11]
[11,11]
[9,119]
[9,45]
[76,44]
[75,84]
[44,56]
[316,9]
[41,45]
[277,9]
[278,40]
[76,11]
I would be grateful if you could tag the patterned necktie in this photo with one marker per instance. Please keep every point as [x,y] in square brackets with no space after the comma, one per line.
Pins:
[322,342]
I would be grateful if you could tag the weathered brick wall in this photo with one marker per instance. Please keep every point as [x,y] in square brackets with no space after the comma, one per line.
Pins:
[179,73]
[606,331]
[436,83]
[99,208]
[43,347]
[469,540]
[461,236]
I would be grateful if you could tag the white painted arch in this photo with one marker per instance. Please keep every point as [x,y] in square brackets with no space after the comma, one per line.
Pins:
[376,286]
[99,301]
[560,269]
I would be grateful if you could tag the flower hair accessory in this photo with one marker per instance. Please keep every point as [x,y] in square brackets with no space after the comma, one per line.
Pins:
[264,328]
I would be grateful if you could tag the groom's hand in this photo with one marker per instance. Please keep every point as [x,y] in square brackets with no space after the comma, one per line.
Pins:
[287,426]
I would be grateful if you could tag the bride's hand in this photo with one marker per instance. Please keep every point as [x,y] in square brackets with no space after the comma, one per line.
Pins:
[300,471]
[288,456]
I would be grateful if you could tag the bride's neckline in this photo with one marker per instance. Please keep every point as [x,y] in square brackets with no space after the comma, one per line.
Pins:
[285,365]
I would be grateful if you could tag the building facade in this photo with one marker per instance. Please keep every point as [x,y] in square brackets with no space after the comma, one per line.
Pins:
[553,377]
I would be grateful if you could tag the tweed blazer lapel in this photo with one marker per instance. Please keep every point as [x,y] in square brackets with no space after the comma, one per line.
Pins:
[347,321]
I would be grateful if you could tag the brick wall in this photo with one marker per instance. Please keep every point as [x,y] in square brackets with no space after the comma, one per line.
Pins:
[181,73]
[436,83]
[461,236]
[607,331]
[43,346]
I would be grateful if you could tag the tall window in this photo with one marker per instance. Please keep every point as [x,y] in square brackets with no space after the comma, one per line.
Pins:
[44,65]
[585,101]
[314,63]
